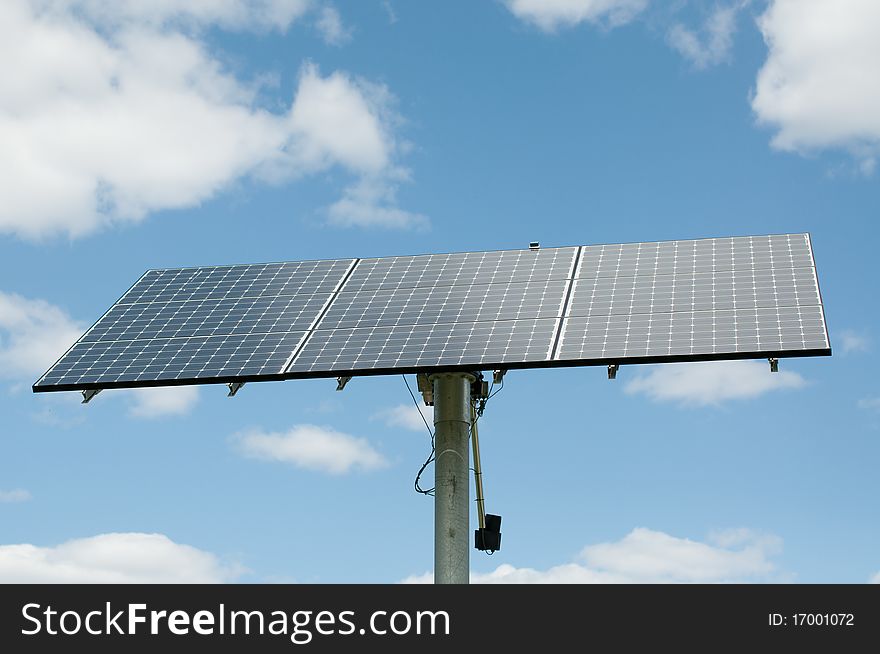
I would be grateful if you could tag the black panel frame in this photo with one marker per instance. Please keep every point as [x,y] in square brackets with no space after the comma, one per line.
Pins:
[527,365]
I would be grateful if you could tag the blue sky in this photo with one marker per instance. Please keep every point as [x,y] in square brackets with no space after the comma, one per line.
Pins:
[136,136]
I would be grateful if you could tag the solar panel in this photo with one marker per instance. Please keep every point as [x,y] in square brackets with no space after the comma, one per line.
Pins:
[442,310]
[201,325]
[709,298]
[742,297]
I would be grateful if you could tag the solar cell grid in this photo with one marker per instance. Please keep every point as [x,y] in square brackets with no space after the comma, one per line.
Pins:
[412,346]
[738,289]
[173,359]
[237,281]
[461,268]
[752,252]
[442,304]
[171,319]
[687,333]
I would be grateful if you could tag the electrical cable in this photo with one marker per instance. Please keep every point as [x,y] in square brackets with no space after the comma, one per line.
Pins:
[430,459]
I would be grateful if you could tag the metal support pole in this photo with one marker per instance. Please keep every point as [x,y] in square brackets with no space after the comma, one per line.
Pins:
[478,469]
[452,423]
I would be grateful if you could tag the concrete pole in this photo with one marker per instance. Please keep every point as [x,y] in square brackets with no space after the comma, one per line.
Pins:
[452,422]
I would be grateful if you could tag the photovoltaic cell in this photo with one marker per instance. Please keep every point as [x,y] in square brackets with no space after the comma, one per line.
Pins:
[741,297]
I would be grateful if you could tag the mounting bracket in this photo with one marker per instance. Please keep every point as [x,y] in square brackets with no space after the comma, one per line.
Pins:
[426,388]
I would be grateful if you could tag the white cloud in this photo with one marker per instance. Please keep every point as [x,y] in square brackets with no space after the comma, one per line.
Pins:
[408,416]
[33,335]
[711,383]
[712,46]
[389,10]
[648,556]
[330,25]
[163,401]
[853,341]
[313,448]
[126,558]
[341,119]
[550,15]
[109,114]
[371,203]
[230,14]
[14,496]
[875,579]
[653,556]
[819,86]
[870,403]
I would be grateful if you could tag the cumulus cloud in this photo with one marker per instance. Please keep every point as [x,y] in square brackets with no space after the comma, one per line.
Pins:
[712,382]
[313,448]
[33,335]
[340,119]
[14,496]
[819,86]
[550,15]
[853,341]
[116,558]
[875,579]
[712,44]
[408,416]
[112,111]
[160,402]
[648,556]
[654,556]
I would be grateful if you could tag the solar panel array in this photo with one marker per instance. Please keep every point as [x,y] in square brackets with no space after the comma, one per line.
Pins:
[678,300]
